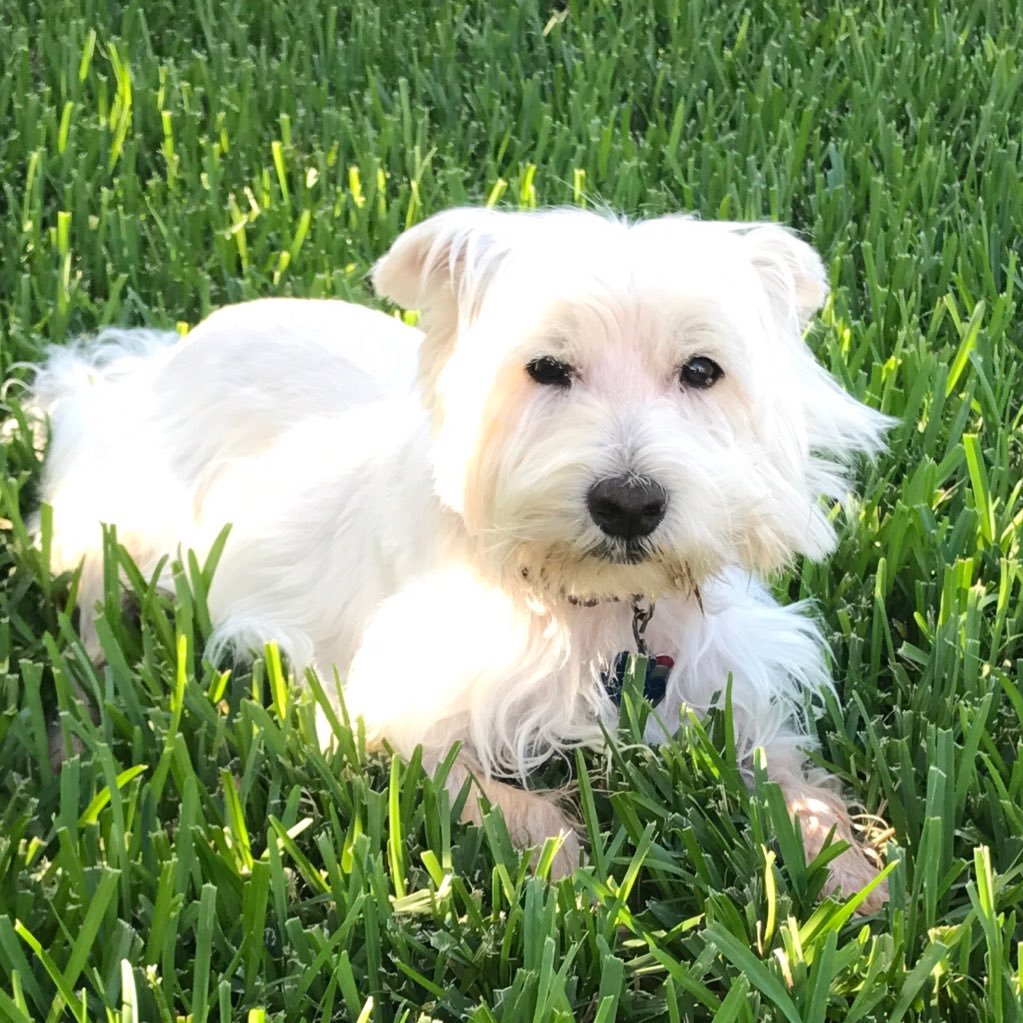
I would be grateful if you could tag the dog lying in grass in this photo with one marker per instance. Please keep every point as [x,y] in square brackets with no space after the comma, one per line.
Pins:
[604,435]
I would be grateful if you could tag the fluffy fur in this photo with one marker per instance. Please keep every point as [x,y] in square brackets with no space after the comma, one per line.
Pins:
[390,489]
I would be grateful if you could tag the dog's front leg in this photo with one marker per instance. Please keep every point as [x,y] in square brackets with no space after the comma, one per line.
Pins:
[819,809]
[531,817]
[773,657]
[481,670]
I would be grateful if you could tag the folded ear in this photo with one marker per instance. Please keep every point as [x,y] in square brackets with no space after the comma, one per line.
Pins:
[448,258]
[792,273]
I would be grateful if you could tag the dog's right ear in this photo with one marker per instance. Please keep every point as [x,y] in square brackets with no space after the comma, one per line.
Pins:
[442,268]
[444,264]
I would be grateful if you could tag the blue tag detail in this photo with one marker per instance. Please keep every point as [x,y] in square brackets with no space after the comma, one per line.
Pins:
[654,685]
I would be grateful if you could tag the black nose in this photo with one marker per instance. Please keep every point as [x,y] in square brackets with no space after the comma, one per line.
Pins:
[627,506]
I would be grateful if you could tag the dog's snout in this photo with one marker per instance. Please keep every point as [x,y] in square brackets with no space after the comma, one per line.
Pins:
[628,507]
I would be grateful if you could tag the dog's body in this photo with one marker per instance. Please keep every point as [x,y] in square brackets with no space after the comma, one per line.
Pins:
[582,423]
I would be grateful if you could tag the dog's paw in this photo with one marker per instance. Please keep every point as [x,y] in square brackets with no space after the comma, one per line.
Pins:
[850,872]
[566,859]
[820,813]
[530,817]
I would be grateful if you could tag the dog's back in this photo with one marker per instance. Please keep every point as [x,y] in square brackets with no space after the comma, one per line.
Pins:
[145,425]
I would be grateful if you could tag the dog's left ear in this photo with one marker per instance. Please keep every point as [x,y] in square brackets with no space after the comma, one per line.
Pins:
[792,273]
[838,427]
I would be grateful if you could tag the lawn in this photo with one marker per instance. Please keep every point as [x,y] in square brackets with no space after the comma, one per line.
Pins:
[195,856]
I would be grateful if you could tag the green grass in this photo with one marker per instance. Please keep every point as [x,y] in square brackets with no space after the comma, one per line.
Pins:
[197,857]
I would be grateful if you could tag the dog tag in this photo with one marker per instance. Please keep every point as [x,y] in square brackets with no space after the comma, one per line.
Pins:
[654,685]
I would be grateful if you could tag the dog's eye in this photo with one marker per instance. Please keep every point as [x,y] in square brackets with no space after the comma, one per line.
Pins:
[549,371]
[701,372]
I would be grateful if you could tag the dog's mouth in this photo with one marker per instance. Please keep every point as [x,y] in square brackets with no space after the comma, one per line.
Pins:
[622,552]
[607,569]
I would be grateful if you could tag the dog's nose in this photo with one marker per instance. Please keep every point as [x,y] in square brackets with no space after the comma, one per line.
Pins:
[627,506]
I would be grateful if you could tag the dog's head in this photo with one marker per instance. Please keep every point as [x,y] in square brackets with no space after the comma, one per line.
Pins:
[626,408]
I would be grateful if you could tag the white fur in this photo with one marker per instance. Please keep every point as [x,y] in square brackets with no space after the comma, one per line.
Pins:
[410,509]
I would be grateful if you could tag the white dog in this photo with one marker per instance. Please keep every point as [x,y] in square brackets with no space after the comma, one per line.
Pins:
[598,419]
